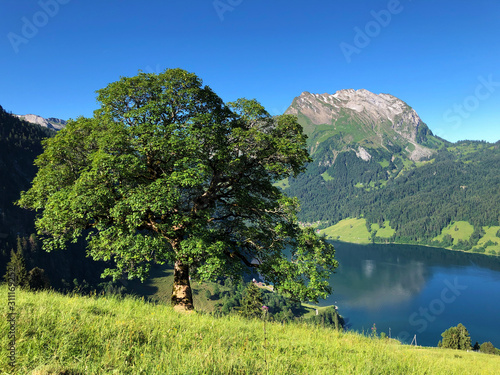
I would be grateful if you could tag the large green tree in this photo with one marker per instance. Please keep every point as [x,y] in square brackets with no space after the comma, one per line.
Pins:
[165,171]
[456,338]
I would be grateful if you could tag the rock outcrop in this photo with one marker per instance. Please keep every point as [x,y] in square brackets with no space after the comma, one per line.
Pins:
[51,123]
[362,118]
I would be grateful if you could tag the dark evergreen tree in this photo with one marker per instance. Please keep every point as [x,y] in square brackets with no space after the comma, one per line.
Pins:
[17,264]
[38,280]
[463,337]
[251,304]
[329,317]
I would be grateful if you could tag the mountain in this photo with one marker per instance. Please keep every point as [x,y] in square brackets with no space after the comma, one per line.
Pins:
[50,123]
[20,144]
[360,119]
[375,159]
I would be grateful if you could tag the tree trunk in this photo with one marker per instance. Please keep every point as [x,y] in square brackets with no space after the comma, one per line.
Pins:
[182,297]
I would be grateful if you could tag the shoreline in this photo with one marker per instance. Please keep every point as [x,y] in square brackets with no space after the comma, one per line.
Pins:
[414,244]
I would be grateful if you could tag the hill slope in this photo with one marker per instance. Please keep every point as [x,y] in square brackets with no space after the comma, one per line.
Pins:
[375,158]
[88,335]
[20,144]
[360,120]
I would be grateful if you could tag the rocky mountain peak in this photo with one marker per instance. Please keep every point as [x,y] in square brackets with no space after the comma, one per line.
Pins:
[324,108]
[51,122]
[361,116]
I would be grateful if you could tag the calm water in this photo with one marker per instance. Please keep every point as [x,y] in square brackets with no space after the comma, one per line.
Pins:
[415,290]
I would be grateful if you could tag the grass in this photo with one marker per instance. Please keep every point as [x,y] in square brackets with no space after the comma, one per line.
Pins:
[458,230]
[384,163]
[311,309]
[408,164]
[283,184]
[490,235]
[354,231]
[59,334]
[349,230]
[385,232]
[371,185]
[326,176]
[419,164]
[159,288]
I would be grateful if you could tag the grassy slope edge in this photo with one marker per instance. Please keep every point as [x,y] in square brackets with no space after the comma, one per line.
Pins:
[59,334]
[353,230]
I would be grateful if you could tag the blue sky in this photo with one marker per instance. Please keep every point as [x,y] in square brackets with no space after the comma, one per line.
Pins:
[441,57]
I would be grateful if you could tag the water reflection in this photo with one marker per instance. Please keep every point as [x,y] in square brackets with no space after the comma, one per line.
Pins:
[375,283]
[391,285]
[368,267]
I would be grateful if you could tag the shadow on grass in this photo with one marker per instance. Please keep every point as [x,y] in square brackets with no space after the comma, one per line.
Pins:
[157,288]
[56,371]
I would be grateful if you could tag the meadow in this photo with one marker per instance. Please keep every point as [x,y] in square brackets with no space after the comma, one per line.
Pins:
[73,334]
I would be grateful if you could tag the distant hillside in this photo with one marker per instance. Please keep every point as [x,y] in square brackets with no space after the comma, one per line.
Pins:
[20,144]
[374,158]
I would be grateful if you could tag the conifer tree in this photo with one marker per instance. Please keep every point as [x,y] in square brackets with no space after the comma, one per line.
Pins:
[464,342]
[251,304]
[17,264]
[37,279]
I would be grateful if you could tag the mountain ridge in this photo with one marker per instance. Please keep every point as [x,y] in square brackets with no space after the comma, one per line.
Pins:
[375,158]
[363,119]
[50,123]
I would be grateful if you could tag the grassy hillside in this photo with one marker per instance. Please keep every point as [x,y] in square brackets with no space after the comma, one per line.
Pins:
[421,200]
[459,231]
[59,334]
[348,230]
[158,288]
[354,230]
[490,242]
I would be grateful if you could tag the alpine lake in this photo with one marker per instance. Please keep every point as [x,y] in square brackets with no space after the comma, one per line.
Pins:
[415,293]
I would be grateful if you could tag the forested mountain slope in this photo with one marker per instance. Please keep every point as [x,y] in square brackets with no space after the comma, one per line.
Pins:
[374,158]
[20,144]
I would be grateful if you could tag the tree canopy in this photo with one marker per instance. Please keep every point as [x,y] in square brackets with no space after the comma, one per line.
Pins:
[456,338]
[165,171]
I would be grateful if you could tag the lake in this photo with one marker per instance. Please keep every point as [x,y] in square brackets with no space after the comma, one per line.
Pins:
[414,290]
